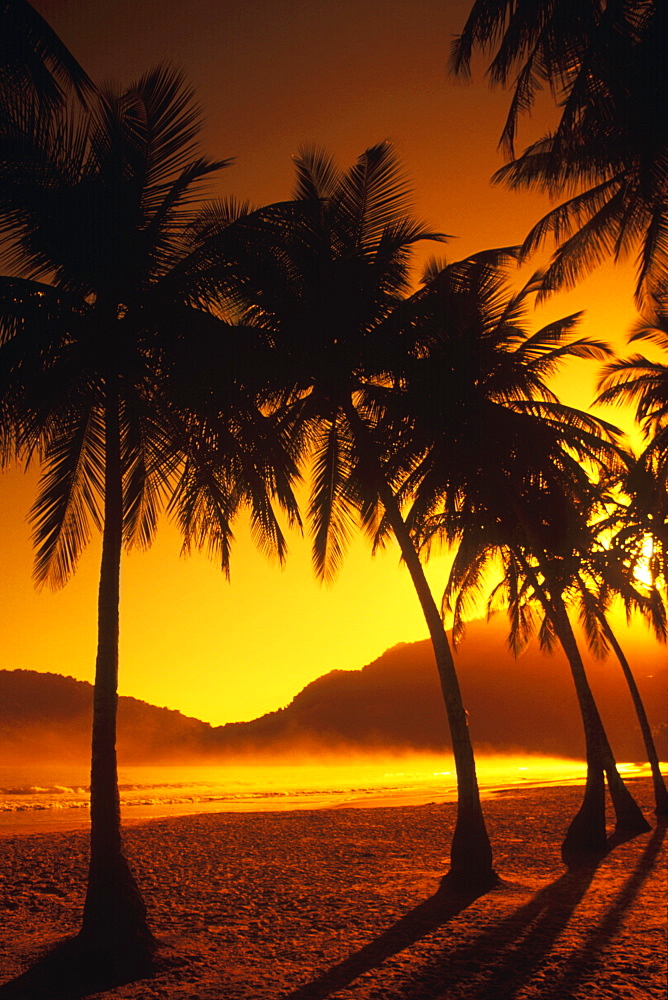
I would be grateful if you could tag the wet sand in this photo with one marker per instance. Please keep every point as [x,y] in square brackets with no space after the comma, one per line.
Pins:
[340,903]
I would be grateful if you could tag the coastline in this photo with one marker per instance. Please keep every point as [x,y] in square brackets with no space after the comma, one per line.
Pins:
[34,801]
[339,902]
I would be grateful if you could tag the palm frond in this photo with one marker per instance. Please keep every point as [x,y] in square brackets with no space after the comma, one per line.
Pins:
[32,54]
[204,506]
[547,635]
[69,498]
[372,196]
[589,613]
[641,381]
[318,177]
[654,329]
[520,612]
[161,124]
[332,510]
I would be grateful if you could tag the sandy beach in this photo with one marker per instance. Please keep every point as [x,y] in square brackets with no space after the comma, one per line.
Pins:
[341,903]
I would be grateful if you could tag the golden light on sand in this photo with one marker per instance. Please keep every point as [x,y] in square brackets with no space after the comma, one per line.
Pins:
[259,905]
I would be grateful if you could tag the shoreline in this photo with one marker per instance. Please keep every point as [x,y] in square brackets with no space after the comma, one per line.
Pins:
[132,815]
[28,821]
[312,904]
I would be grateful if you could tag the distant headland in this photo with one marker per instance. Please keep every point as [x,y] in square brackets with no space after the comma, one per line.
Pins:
[391,704]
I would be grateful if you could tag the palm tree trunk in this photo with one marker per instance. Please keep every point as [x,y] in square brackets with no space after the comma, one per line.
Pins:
[470,853]
[587,831]
[629,818]
[114,921]
[660,792]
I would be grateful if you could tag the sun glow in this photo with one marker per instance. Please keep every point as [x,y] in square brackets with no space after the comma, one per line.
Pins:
[55,797]
[642,571]
[189,640]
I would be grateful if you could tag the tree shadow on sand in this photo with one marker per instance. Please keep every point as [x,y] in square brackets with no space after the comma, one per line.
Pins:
[69,972]
[420,921]
[500,960]
[497,963]
[581,959]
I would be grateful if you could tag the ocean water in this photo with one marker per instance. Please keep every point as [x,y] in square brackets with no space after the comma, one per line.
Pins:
[45,797]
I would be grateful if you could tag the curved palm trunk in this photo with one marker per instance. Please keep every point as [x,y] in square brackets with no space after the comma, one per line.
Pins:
[660,792]
[586,834]
[587,831]
[470,853]
[114,925]
[629,818]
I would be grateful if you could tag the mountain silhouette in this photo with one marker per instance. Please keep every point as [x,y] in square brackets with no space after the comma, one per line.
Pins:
[526,704]
[48,716]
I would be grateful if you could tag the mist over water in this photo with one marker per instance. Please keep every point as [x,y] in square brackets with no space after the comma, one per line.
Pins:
[47,797]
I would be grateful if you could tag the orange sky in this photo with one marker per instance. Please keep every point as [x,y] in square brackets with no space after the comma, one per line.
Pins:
[272,76]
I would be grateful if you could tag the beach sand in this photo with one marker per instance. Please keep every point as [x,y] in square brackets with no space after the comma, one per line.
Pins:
[340,903]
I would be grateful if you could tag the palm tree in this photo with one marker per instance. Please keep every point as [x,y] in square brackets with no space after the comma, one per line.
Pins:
[326,280]
[601,569]
[527,579]
[609,152]
[568,47]
[33,57]
[121,382]
[604,574]
[501,469]
[644,382]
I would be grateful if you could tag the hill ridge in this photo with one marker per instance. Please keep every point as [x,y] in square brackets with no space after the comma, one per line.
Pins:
[394,703]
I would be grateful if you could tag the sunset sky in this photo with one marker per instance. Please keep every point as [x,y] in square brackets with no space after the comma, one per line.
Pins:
[273,76]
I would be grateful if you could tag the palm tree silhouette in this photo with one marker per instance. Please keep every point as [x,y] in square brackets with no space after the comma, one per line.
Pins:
[600,575]
[121,382]
[534,43]
[608,154]
[33,57]
[541,580]
[502,473]
[327,277]
[644,382]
